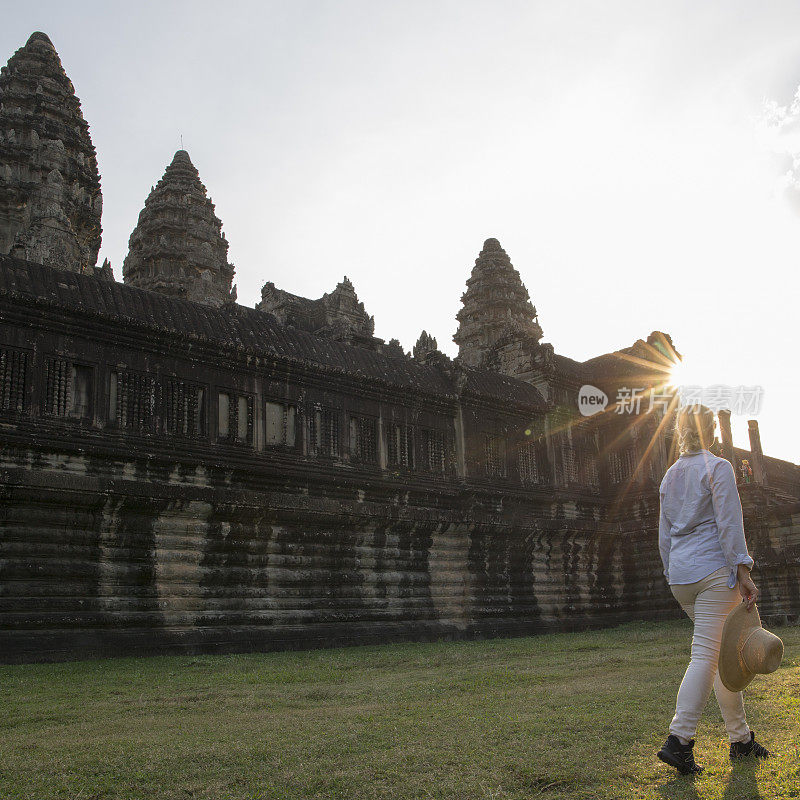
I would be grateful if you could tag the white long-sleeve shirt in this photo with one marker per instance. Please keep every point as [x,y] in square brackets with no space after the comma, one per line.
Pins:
[700,526]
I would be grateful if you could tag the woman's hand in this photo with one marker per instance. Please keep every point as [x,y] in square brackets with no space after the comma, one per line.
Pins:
[747,589]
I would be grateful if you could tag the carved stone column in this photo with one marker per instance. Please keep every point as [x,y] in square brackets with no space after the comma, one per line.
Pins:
[756,453]
[724,417]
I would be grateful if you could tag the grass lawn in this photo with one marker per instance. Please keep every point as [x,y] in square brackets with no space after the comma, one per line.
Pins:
[560,716]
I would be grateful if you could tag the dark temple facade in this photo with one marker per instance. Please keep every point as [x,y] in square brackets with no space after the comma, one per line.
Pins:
[181,473]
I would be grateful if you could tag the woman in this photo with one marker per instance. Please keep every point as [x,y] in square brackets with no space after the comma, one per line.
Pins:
[701,538]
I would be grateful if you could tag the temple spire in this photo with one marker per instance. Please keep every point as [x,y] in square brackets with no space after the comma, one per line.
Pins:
[50,201]
[497,309]
[178,248]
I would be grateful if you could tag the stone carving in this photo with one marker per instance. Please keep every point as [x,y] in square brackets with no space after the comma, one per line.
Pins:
[50,201]
[178,247]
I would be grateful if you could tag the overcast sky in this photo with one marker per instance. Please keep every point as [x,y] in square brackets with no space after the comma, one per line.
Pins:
[635,159]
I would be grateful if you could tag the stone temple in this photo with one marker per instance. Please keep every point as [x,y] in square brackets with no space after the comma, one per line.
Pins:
[181,473]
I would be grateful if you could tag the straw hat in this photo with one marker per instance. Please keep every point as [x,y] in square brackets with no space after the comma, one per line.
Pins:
[747,649]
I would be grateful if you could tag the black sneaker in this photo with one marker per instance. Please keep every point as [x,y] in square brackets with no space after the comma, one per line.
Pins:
[679,756]
[751,748]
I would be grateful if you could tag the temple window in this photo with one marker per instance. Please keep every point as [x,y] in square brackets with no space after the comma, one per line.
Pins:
[324,432]
[528,463]
[363,440]
[589,472]
[621,465]
[495,456]
[223,415]
[616,472]
[184,408]
[569,462]
[199,412]
[56,398]
[244,419]
[68,389]
[235,417]
[623,460]
[80,391]
[13,374]
[151,404]
[400,445]
[279,424]
[113,395]
[132,399]
[434,453]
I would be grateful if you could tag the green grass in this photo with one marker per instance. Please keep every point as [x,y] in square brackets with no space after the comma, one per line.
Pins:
[560,716]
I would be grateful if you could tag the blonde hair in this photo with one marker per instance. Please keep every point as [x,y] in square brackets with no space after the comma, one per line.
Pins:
[695,428]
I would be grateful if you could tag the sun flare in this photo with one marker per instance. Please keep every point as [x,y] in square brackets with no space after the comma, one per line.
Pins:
[683,373]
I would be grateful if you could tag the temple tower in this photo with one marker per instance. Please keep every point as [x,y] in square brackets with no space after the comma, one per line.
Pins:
[497,316]
[178,248]
[50,201]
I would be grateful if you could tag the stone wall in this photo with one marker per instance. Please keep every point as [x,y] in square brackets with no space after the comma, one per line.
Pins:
[773,537]
[104,556]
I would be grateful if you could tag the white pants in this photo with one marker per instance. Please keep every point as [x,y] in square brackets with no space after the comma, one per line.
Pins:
[707,603]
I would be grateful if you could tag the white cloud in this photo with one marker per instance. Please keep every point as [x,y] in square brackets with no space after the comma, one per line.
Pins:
[779,129]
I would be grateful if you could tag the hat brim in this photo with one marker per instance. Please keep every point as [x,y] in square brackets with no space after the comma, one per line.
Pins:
[733,672]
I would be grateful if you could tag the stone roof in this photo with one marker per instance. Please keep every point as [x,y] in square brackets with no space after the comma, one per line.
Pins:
[502,388]
[649,361]
[569,366]
[240,328]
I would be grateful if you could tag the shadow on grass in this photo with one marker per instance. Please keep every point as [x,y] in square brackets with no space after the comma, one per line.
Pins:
[742,783]
[681,787]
